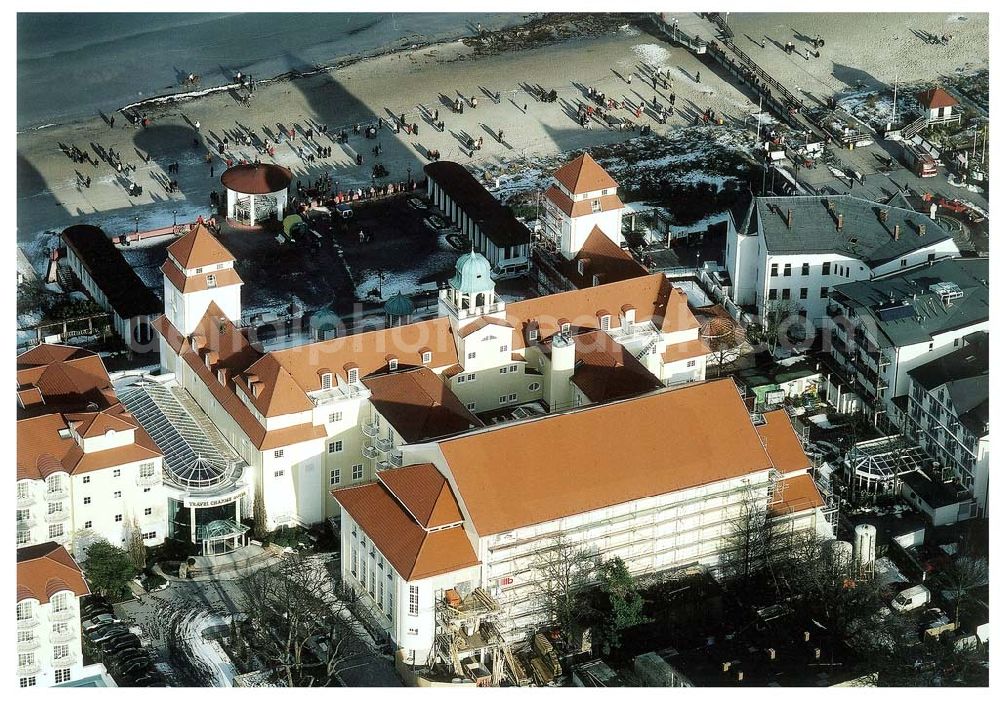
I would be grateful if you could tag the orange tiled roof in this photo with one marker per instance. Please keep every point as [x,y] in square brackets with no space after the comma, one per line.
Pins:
[424,492]
[575,209]
[413,551]
[583,175]
[91,424]
[685,350]
[198,282]
[61,377]
[277,393]
[44,570]
[603,258]
[605,371]
[936,98]
[199,248]
[481,323]
[419,405]
[561,465]
[798,494]
[781,443]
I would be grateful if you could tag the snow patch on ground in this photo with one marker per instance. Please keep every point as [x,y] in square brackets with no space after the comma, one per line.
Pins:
[652,54]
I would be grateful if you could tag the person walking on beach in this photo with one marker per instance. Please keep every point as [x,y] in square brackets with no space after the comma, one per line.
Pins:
[112,120]
[628,79]
[500,136]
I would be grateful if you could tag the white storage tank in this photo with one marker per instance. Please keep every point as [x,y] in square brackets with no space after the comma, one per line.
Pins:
[864,546]
[841,555]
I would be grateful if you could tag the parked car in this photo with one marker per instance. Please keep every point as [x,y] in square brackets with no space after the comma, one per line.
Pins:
[102,634]
[148,680]
[121,642]
[135,669]
[94,609]
[911,598]
[100,620]
[119,657]
[345,211]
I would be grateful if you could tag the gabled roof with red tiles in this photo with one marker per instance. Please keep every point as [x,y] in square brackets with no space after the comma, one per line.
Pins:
[61,377]
[583,175]
[199,248]
[558,465]
[92,424]
[424,492]
[685,350]
[198,282]
[936,98]
[45,569]
[47,353]
[275,393]
[605,370]
[41,451]
[418,405]
[481,323]
[603,258]
[413,551]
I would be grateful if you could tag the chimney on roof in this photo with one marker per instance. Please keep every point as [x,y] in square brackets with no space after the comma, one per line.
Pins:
[933,212]
[739,675]
[223,376]
[883,215]
[726,665]
[805,636]
[921,229]
[788,221]
[840,222]
[895,231]
[817,653]
[772,653]
[255,389]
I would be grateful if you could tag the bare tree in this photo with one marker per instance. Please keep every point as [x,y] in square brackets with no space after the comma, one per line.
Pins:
[962,576]
[134,544]
[565,571]
[259,514]
[754,539]
[725,340]
[285,609]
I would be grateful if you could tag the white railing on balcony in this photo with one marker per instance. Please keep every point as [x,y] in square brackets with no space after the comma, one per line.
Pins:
[26,523]
[370,430]
[67,660]
[370,452]
[149,480]
[396,459]
[27,622]
[383,465]
[62,637]
[28,645]
[25,502]
[29,669]
[383,444]
[53,495]
[62,615]
[61,515]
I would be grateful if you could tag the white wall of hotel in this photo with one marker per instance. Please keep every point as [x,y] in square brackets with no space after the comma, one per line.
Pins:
[249,208]
[135,331]
[751,267]
[651,534]
[98,504]
[48,641]
[508,259]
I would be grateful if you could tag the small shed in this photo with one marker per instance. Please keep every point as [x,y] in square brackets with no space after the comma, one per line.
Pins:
[256,192]
[938,105]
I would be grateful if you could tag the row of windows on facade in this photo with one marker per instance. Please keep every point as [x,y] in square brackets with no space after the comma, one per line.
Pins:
[838,269]
[61,675]
[375,587]
[55,483]
[786,294]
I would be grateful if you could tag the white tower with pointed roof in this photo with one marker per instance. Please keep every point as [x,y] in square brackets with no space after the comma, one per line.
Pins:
[583,196]
[199,270]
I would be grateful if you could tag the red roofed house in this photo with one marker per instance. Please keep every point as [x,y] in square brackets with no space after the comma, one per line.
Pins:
[939,106]
[582,197]
[49,587]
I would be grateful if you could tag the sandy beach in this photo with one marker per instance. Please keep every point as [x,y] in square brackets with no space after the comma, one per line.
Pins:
[404,83]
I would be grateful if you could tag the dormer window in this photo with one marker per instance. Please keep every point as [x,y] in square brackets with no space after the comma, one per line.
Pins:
[595,205]
[393,364]
[425,357]
[352,375]
[211,281]
[606,322]
[595,280]
[579,267]
[199,270]
[326,380]
[565,328]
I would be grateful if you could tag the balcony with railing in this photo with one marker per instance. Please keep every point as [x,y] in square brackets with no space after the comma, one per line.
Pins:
[61,515]
[383,465]
[26,501]
[370,452]
[28,669]
[67,660]
[25,523]
[370,430]
[63,637]
[383,444]
[27,622]
[62,615]
[56,494]
[25,645]
[396,459]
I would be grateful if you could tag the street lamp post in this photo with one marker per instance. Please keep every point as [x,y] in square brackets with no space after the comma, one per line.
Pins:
[137,225]
[175,220]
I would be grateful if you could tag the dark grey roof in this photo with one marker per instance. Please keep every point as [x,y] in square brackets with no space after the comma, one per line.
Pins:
[496,222]
[965,373]
[901,309]
[864,237]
